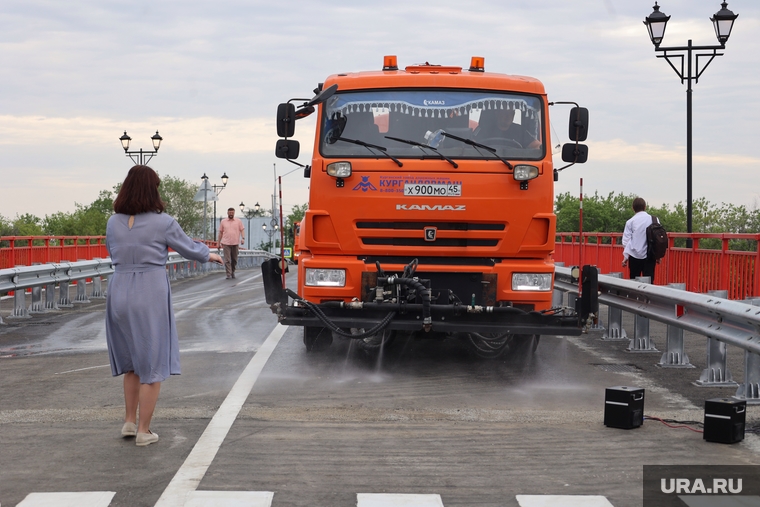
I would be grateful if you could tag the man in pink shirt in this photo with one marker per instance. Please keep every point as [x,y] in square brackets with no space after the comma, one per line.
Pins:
[231,236]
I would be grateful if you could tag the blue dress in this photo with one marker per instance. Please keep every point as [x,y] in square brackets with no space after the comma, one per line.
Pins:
[140,328]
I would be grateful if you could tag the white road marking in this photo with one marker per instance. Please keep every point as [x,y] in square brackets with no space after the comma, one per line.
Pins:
[397,500]
[562,501]
[229,499]
[725,500]
[88,498]
[191,472]
[83,369]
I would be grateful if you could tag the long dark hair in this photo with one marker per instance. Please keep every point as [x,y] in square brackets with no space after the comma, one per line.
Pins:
[139,192]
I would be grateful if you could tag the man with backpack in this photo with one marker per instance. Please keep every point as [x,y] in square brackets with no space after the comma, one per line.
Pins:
[635,244]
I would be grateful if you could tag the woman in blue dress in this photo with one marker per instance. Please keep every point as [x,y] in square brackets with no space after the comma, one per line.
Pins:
[140,328]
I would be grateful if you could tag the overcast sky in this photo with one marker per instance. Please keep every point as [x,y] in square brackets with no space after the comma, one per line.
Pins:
[208,76]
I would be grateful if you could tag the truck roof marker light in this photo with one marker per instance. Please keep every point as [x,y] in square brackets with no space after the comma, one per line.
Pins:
[390,62]
[477,64]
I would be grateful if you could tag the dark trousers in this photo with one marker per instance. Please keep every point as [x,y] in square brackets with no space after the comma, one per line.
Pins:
[230,258]
[641,267]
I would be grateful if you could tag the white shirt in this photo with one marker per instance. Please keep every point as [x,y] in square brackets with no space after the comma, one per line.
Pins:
[635,236]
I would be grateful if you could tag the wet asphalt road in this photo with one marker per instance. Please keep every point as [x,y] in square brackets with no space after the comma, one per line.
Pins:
[317,429]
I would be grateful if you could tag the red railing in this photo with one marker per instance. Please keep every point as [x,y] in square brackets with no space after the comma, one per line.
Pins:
[701,269]
[28,250]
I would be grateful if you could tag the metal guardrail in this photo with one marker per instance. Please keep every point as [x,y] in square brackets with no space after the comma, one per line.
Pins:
[48,276]
[722,321]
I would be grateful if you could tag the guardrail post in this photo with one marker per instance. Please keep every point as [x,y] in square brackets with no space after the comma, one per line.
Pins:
[675,356]
[82,292]
[50,303]
[615,331]
[19,305]
[716,374]
[37,306]
[97,288]
[63,293]
[750,389]
[641,341]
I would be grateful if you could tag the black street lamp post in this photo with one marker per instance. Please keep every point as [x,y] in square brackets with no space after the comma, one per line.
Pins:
[273,227]
[141,154]
[723,21]
[217,190]
[249,215]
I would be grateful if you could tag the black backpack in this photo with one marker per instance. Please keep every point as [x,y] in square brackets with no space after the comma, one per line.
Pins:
[657,240]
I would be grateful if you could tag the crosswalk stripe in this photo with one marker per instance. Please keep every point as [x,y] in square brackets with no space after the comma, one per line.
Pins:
[88,498]
[264,499]
[562,501]
[397,500]
[229,499]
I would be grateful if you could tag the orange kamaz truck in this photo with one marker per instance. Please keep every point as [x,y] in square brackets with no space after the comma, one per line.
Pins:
[430,210]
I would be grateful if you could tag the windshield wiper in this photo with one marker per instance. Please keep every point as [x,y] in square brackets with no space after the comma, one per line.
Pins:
[381,149]
[478,145]
[415,143]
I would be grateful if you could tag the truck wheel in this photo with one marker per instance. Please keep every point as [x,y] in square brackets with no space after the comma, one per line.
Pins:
[316,339]
[375,342]
[516,346]
[488,345]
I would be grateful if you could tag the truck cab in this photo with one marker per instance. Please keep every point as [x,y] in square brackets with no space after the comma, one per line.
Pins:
[431,197]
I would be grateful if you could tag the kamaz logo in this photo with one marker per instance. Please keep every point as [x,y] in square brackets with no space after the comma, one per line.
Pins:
[434,102]
[428,207]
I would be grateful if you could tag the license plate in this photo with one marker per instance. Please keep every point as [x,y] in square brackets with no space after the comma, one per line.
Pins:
[432,190]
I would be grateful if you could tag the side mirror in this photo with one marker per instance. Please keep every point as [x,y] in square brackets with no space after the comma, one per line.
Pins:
[286,120]
[287,149]
[574,153]
[578,128]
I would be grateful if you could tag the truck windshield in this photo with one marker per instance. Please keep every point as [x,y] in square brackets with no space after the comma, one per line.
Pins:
[413,123]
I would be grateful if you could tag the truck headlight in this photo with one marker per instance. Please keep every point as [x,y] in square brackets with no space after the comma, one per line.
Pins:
[524,172]
[325,277]
[532,281]
[339,169]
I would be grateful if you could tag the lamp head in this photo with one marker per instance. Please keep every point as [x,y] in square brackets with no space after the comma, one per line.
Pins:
[156,141]
[125,139]
[723,21]
[224,179]
[656,23]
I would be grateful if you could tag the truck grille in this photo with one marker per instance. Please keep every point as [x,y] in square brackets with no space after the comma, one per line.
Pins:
[441,226]
[391,239]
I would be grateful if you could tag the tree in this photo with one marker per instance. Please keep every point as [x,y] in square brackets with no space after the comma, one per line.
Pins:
[27,225]
[89,220]
[178,195]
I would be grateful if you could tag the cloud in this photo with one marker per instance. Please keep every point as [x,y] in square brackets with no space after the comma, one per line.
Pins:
[616,150]
[199,135]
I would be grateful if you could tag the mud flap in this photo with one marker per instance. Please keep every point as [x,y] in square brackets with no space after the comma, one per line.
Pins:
[589,301]
[271,273]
